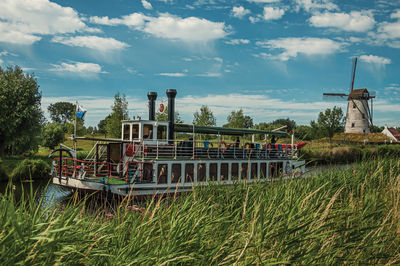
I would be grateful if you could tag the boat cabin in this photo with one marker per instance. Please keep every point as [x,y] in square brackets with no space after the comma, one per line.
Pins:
[151,132]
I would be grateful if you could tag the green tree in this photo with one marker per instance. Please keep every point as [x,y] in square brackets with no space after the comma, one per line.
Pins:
[102,125]
[164,116]
[290,124]
[20,115]
[52,135]
[119,113]
[205,117]
[238,120]
[331,121]
[62,112]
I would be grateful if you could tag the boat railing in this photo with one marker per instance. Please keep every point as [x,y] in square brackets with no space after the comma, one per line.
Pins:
[200,149]
[134,171]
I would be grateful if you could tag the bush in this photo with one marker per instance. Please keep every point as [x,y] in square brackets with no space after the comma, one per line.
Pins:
[53,134]
[30,168]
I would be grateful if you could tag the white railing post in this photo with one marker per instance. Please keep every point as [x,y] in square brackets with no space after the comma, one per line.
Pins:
[157,150]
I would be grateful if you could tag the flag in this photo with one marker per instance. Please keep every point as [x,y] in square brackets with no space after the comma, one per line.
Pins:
[80,111]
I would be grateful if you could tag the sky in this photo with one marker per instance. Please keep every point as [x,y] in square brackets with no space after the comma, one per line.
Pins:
[272,58]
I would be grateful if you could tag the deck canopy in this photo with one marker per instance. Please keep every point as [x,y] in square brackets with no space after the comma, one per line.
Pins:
[224,131]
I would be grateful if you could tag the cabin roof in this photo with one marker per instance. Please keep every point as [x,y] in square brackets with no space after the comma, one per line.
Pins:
[224,131]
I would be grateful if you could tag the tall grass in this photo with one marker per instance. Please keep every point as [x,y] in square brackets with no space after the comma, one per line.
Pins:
[350,216]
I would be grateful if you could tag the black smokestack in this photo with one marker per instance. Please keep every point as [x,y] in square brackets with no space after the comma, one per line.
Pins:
[171,113]
[152,96]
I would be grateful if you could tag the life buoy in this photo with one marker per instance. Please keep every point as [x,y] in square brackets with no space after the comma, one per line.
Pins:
[162,108]
[222,146]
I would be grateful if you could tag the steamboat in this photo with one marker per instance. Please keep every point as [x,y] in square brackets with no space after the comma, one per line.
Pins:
[149,159]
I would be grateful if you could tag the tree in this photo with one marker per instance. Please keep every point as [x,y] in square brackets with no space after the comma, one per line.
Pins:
[52,135]
[238,120]
[164,116]
[331,121]
[205,117]
[290,124]
[102,125]
[20,115]
[61,112]
[119,113]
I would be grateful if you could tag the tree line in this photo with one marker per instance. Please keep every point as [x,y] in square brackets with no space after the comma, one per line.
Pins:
[23,126]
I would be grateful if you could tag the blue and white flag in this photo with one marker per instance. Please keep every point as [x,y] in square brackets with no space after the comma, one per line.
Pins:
[80,111]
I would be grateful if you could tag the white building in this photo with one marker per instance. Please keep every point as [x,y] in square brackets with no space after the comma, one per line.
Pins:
[392,133]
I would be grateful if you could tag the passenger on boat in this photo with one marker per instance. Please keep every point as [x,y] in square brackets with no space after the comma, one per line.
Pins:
[237,142]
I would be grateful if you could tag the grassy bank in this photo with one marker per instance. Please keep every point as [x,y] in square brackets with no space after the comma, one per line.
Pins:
[325,153]
[337,217]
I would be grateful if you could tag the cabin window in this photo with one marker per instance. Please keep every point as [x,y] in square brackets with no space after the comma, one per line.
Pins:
[135,131]
[127,129]
[189,172]
[235,171]
[162,174]
[201,172]
[213,171]
[148,172]
[363,115]
[354,106]
[224,171]
[263,170]
[176,173]
[352,124]
[162,132]
[148,131]
[243,171]
[254,170]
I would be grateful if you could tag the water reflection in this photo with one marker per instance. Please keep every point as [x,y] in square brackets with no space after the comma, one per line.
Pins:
[43,190]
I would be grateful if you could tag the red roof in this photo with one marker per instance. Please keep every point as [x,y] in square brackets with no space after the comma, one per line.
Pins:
[394,132]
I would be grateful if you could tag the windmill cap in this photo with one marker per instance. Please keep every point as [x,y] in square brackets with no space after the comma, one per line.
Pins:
[359,93]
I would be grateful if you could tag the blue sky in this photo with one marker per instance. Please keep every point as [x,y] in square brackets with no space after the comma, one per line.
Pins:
[272,58]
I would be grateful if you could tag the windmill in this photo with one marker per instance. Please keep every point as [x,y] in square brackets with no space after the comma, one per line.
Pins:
[359,113]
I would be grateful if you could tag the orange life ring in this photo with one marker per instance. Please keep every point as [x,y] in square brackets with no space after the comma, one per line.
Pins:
[222,149]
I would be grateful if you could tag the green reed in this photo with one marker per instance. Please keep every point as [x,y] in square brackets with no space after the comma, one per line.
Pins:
[347,216]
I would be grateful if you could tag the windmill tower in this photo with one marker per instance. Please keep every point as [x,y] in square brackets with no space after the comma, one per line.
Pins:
[359,113]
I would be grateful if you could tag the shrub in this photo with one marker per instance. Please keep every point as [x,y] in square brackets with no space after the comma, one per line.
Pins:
[30,168]
[53,134]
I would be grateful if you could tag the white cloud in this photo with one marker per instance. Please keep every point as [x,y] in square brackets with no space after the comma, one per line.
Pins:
[22,22]
[314,5]
[271,13]
[92,42]
[240,11]
[387,30]
[88,70]
[190,29]
[237,41]
[353,21]
[176,75]
[210,75]
[147,5]
[309,46]
[396,14]
[376,60]
[263,1]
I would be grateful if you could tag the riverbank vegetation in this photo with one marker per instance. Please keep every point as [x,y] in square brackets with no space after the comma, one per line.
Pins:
[342,216]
